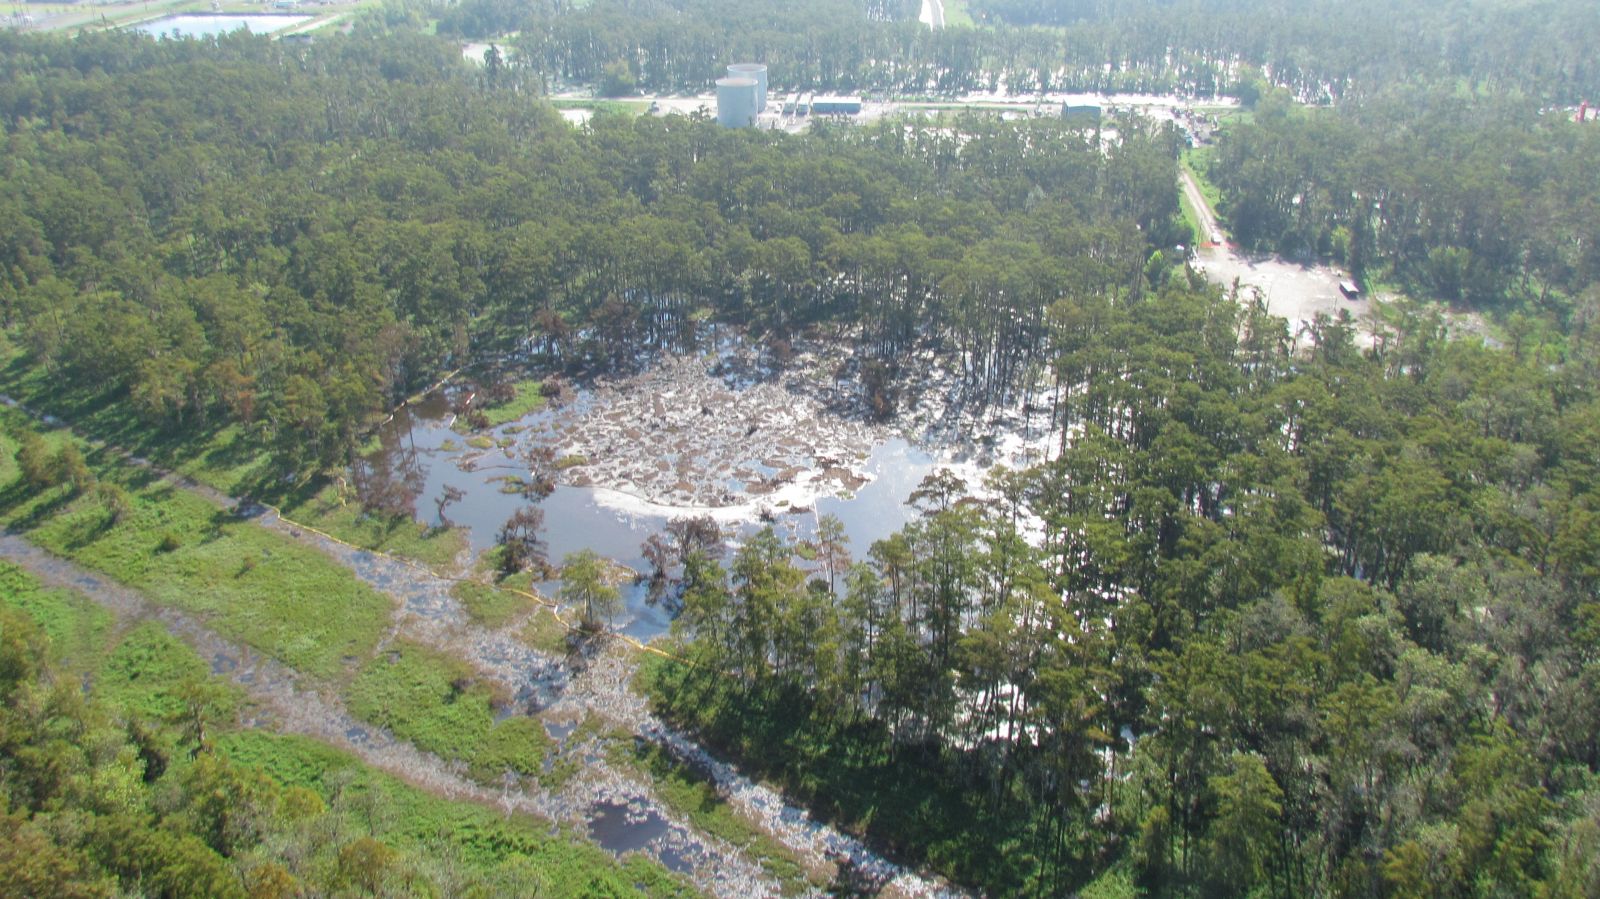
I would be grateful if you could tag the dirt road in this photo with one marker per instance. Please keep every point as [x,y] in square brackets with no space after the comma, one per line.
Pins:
[1210,231]
[1295,292]
[427,612]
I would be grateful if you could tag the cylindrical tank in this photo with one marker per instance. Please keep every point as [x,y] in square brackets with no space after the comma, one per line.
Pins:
[736,102]
[757,71]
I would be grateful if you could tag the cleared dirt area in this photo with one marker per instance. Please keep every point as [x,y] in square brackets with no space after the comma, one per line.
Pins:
[1291,290]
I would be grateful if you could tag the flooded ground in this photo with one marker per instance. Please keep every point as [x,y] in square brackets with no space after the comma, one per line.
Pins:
[559,691]
[706,434]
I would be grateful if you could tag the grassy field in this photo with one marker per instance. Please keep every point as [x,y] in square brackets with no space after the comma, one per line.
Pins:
[296,605]
[148,672]
[403,816]
[547,633]
[142,671]
[489,605]
[329,510]
[78,629]
[227,460]
[1191,217]
[1197,162]
[437,703]
[250,584]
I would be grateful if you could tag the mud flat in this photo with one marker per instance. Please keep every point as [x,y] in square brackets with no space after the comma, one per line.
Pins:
[712,435]
[730,437]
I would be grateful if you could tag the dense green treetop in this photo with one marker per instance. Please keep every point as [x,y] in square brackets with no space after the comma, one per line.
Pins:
[1321,50]
[1475,200]
[294,237]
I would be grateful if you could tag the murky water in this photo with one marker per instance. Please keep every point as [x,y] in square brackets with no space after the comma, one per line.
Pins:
[420,447]
[621,828]
[622,811]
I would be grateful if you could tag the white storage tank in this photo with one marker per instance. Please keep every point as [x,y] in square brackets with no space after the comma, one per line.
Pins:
[737,102]
[757,72]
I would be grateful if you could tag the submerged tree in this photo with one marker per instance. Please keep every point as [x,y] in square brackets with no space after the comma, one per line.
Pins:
[542,470]
[686,537]
[522,545]
[449,496]
[583,583]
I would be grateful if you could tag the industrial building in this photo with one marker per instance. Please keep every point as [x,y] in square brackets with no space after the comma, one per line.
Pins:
[742,98]
[756,72]
[738,102]
[831,105]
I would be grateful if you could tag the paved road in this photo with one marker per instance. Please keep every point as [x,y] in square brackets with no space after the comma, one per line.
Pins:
[932,14]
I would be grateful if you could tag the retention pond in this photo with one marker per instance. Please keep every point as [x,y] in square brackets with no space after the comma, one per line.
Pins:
[202,26]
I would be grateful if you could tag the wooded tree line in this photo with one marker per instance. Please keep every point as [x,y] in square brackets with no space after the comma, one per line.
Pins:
[293,238]
[1320,50]
[1475,200]
[1277,622]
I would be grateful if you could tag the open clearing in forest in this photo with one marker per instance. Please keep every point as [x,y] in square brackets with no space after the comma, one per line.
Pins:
[1291,290]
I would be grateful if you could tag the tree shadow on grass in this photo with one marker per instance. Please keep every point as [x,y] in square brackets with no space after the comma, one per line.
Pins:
[43,510]
[87,530]
[143,480]
[234,453]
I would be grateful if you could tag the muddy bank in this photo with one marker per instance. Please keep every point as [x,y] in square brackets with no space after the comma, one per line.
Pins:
[604,687]
[429,614]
